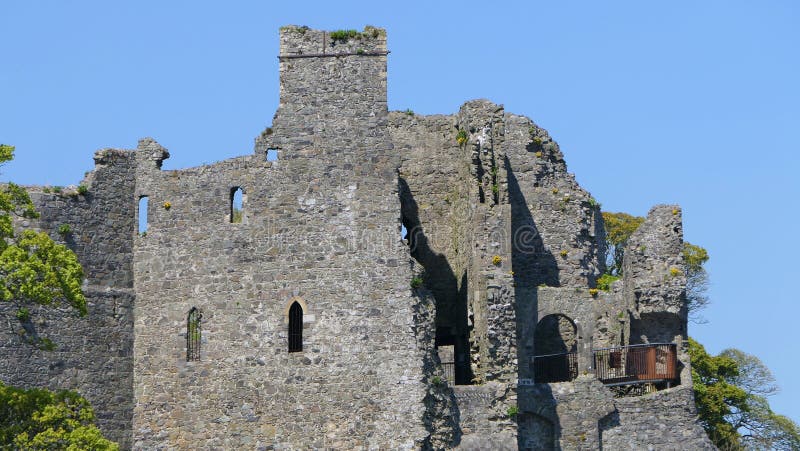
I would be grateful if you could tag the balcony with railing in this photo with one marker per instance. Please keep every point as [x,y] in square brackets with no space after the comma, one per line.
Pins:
[637,364]
[549,368]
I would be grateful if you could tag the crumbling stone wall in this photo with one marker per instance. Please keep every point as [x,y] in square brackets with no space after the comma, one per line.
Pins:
[661,420]
[504,236]
[655,282]
[322,227]
[93,354]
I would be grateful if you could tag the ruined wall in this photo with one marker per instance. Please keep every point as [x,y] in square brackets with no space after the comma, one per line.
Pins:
[661,420]
[502,233]
[655,281]
[551,253]
[93,354]
[321,227]
[437,213]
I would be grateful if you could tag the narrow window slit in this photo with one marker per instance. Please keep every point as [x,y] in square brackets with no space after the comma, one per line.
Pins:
[237,205]
[272,154]
[295,328]
[193,334]
[143,205]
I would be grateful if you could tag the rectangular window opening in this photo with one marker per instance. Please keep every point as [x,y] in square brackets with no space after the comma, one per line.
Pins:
[143,205]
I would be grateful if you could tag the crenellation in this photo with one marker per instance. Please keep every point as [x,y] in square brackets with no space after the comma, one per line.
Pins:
[317,325]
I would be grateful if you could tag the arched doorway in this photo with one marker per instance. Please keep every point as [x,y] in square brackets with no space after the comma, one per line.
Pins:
[555,342]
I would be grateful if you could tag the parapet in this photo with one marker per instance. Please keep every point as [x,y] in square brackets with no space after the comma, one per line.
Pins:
[303,42]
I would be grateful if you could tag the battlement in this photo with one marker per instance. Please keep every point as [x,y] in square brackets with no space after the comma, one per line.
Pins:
[303,42]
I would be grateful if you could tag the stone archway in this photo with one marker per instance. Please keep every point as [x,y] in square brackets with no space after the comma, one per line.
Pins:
[555,342]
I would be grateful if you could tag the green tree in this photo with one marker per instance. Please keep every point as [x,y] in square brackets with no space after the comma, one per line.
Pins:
[694,259]
[759,426]
[34,270]
[731,391]
[39,419]
[619,228]
[715,396]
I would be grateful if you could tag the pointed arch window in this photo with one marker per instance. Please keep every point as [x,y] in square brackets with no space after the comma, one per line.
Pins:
[295,327]
[193,334]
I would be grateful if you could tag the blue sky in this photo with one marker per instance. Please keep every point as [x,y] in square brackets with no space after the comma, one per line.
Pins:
[696,103]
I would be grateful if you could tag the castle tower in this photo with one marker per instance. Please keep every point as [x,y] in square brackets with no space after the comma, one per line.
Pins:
[332,98]
[287,321]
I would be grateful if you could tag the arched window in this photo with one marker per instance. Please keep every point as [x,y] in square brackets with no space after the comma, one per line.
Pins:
[237,205]
[295,327]
[193,334]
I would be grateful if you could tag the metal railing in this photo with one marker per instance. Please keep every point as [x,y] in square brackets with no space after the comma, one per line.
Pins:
[656,362]
[555,367]
[449,370]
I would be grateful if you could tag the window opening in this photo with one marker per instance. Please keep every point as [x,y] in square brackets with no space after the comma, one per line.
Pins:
[272,154]
[143,205]
[193,334]
[237,208]
[295,328]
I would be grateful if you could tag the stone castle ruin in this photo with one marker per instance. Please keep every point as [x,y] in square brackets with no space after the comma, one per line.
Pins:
[387,281]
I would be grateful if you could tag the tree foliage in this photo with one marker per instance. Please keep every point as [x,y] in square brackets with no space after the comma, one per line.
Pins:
[694,259]
[715,396]
[619,228]
[34,270]
[731,392]
[39,419]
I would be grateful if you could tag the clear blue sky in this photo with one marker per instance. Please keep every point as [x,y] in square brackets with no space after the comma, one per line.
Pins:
[696,103]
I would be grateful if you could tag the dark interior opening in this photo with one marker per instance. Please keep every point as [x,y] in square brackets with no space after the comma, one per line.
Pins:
[295,328]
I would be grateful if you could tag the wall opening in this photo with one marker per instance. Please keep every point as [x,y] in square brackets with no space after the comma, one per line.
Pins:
[449,290]
[272,154]
[237,205]
[143,205]
[193,334]
[555,342]
[295,327]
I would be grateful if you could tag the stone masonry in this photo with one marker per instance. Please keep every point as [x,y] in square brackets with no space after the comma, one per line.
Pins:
[422,339]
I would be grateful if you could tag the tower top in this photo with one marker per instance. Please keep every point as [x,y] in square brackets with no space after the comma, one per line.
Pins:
[303,42]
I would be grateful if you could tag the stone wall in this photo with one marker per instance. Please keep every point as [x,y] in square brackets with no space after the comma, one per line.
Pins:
[662,420]
[321,227]
[93,354]
[655,283]
[501,234]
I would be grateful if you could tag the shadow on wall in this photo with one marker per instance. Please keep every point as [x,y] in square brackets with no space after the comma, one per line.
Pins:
[451,301]
[656,327]
[538,426]
[606,423]
[533,265]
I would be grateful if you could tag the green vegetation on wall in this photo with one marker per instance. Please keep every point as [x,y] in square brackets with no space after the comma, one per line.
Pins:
[39,419]
[34,270]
